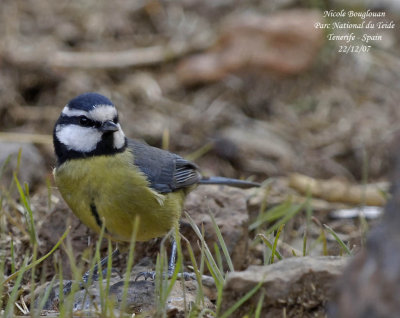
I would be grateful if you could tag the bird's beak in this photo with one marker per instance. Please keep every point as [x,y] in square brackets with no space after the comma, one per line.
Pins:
[109,126]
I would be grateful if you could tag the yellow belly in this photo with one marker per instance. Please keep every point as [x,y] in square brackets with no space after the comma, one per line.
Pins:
[114,189]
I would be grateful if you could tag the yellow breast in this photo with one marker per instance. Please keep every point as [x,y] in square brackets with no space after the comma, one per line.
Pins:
[111,189]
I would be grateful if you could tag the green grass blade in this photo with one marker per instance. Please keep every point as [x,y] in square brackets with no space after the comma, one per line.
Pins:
[293,210]
[28,267]
[220,288]
[2,272]
[271,215]
[207,258]
[276,242]
[309,212]
[4,166]
[9,310]
[161,281]
[257,314]
[337,238]
[200,294]
[222,243]
[305,235]
[270,245]
[28,211]
[12,254]
[45,297]
[16,171]
[241,301]
[59,269]
[218,258]
[129,266]
[212,265]
[109,266]
[324,243]
[33,276]
[99,270]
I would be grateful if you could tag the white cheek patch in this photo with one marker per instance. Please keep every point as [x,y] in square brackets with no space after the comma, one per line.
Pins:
[82,139]
[119,138]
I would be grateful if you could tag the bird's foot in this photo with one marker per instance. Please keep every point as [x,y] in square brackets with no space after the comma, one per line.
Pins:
[67,288]
[96,276]
[85,279]
[152,275]
[94,273]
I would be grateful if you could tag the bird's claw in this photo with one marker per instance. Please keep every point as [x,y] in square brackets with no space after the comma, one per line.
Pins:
[85,279]
[67,288]
[187,276]
[146,275]
[96,276]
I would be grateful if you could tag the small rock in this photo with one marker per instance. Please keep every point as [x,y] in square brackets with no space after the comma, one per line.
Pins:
[298,286]
[285,43]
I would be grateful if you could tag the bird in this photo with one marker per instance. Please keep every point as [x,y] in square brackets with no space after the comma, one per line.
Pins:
[109,181]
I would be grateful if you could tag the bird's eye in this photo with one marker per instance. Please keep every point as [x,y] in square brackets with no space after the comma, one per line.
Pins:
[84,121]
[115,120]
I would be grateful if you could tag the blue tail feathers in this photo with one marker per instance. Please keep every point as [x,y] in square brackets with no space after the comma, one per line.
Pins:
[229,182]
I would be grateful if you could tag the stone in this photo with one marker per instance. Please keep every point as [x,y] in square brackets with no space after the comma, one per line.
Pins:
[298,286]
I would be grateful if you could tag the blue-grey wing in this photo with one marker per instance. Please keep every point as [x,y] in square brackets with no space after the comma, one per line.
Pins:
[166,171]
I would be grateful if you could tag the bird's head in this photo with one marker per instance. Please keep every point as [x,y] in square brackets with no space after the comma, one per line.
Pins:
[88,126]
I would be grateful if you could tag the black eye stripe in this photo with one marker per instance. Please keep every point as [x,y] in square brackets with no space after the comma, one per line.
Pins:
[76,120]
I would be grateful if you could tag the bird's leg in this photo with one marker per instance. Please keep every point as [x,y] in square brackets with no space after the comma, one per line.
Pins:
[171,267]
[172,264]
[172,259]
[94,272]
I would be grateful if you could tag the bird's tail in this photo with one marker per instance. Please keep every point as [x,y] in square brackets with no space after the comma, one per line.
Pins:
[229,182]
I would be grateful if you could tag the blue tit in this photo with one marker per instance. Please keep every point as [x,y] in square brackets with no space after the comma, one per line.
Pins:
[111,181]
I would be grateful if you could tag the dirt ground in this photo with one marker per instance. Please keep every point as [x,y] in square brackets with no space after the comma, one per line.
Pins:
[181,75]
